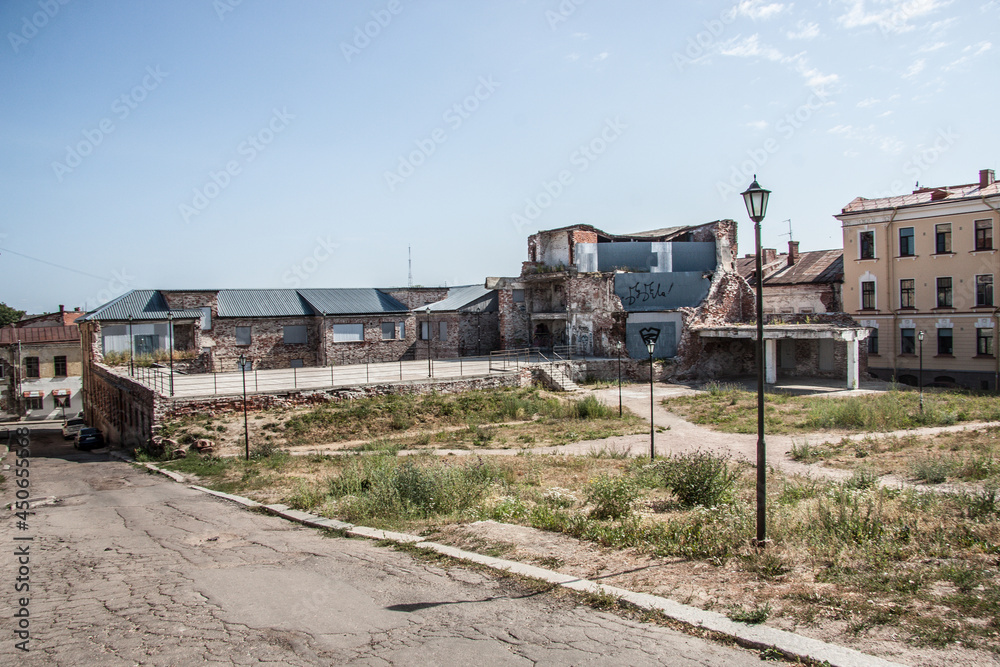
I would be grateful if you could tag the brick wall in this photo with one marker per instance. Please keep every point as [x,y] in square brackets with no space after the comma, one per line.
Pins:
[267,348]
[373,348]
[124,410]
[414,297]
[512,321]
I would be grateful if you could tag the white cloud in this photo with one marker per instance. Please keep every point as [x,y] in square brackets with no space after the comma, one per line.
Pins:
[869,135]
[915,69]
[750,47]
[601,56]
[889,16]
[573,57]
[804,31]
[867,102]
[884,114]
[758,11]
[582,35]
[970,52]
[757,125]
[928,48]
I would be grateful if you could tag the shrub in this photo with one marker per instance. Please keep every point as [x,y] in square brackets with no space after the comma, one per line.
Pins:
[591,408]
[613,497]
[701,478]
[933,470]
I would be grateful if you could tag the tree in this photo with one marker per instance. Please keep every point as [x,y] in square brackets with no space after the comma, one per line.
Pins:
[8,315]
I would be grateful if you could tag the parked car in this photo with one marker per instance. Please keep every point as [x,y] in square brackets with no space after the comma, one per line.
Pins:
[72,426]
[88,438]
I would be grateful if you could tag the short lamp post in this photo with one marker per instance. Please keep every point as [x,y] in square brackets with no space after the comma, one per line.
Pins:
[649,336]
[170,325]
[246,425]
[920,372]
[618,346]
[427,313]
[131,339]
[755,199]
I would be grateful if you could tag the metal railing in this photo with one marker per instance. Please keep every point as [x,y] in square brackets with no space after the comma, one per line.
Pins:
[508,360]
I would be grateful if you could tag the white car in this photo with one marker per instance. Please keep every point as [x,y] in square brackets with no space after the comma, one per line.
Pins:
[72,426]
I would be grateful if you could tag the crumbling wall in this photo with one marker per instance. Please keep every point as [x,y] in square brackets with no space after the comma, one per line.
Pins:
[730,300]
[478,333]
[415,297]
[512,320]
[120,407]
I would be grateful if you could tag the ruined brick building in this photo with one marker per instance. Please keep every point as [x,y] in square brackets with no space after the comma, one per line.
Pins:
[798,282]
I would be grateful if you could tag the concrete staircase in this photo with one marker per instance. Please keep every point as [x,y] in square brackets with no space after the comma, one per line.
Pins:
[556,378]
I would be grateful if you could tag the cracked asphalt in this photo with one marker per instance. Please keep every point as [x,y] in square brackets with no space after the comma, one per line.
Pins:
[129,568]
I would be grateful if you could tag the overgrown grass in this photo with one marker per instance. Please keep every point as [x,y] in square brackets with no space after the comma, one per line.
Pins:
[732,409]
[113,358]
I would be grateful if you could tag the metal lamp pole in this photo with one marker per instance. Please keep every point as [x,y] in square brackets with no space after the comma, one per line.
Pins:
[246,425]
[170,325]
[619,346]
[427,312]
[920,373]
[755,198]
[649,336]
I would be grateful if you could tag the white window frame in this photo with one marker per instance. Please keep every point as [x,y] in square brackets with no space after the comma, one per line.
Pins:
[874,245]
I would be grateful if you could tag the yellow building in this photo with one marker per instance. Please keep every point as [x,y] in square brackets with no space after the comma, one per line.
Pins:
[919,271]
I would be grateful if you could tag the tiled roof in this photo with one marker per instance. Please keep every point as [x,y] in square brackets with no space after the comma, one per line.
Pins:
[140,304]
[924,196]
[819,266]
[9,335]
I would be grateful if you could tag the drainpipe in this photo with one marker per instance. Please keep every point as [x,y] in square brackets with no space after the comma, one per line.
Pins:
[996,316]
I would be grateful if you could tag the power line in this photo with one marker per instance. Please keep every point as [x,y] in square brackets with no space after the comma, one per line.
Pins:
[58,266]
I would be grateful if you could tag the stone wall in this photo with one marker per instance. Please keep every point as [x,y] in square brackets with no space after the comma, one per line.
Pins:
[124,410]
[415,297]
[373,348]
[267,348]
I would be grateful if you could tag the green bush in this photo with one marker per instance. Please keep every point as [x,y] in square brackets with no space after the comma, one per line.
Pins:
[613,497]
[700,478]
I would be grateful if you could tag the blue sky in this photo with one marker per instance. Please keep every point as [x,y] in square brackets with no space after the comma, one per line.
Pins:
[226,143]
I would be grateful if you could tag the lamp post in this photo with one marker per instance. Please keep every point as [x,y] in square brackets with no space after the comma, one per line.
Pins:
[755,198]
[131,367]
[649,336]
[618,345]
[246,425]
[427,313]
[170,325]
[920,372]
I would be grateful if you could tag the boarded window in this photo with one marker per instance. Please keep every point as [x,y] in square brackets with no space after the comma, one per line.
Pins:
[425,331]
[442,331]
[518,295]
[242,335]
[388,331]
[826,354]
[348,333]
[296,363]
[295,334]
[31,367]
[206,318]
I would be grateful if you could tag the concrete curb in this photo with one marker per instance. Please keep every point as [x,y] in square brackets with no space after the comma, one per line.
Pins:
[791,645]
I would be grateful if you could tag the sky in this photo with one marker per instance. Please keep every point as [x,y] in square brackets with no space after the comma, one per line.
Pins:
[249,144]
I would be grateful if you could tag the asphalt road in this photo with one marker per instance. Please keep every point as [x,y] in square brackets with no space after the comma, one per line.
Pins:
[129,568]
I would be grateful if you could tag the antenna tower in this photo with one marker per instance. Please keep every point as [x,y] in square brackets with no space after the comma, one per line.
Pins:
[409,254]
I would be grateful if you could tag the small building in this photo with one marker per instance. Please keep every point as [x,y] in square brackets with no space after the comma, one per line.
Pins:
[40,366]
[803,283]
[463,324]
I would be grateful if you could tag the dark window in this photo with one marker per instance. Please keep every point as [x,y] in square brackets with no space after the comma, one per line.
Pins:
[243,335]
[907,293]
[517,295]
[294,334]
[873,341]
[907,341]
[984,341]
[34,403]
[984,235]
[388,331]
[945,341]
[868,295]
[906,242]
[31,367]
[443,331]
[984,290]
[942,238]
[296,363]
[60,364]
[867,245]
[425,331]
[944,292]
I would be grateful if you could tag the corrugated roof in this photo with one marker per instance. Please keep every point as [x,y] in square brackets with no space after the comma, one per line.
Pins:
[819,266]
[262,303]
[70,334]
[140,304]
[924,196]
[459,297]
[352,301]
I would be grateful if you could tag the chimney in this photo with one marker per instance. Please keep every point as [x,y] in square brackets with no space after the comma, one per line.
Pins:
[62,309]
[77,309]
[768,255]
[986,178]
[793,252]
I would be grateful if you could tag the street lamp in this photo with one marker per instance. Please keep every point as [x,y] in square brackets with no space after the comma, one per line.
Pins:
[427,312]
[131,367]
[170,325]
[920,373]
[649,336]
[618,346]
[246,426]
[755,199]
